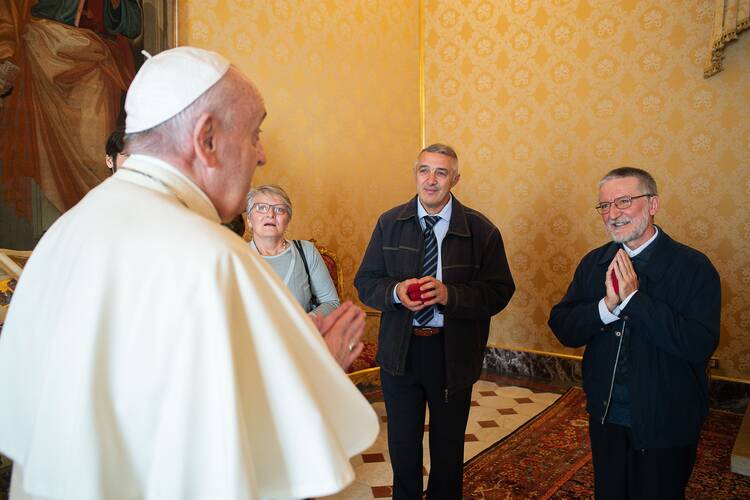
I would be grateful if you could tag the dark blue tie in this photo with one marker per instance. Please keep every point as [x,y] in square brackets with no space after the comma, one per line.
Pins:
[429,268]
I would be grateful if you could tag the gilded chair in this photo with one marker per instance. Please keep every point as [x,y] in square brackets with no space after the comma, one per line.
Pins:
[332,264]
[364,372]
[11,265]
[364,369]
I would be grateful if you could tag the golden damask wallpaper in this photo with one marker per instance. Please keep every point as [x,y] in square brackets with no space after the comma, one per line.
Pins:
[540,99]
[341,85]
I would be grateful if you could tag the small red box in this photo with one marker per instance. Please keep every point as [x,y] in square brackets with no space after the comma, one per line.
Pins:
[414,292]
[615,283]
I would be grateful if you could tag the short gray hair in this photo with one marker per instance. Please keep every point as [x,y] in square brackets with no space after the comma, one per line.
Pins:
[442,149]
[269,189]
[645,179]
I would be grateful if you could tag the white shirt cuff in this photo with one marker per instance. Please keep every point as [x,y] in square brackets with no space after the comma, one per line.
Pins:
[610,317]
[606,316]
[396,300]
[624,303]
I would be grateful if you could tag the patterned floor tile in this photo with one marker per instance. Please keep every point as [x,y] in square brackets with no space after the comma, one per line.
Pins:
[484,413]
[495,412]
[484,385]
[530,409]
[498,402]
[545,397]
[491,435]
[512,422]
[513,392]
[382,491]
[473,449]
[369,458]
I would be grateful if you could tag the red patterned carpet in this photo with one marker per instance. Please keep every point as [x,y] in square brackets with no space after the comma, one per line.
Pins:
[549,457]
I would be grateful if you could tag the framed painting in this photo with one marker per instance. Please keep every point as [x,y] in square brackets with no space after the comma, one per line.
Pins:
[65,66]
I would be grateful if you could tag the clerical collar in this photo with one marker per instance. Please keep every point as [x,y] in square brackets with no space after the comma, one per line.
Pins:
[444,214]
[154,173]
[633,253]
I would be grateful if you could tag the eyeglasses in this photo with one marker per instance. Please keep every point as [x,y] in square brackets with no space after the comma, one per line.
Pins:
[621,203]
[263,208]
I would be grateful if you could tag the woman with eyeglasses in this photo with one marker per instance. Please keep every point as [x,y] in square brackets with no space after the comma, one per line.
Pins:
[297,263]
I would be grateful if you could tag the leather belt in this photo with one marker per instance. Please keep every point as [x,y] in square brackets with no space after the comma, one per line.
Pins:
[426,331]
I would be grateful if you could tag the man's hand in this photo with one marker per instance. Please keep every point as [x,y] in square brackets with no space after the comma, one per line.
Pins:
[433,291]
[626,277]
[412,305]
[342,332]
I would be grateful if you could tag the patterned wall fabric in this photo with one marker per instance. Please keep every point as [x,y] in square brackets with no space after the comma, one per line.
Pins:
[541,98]
[341,84]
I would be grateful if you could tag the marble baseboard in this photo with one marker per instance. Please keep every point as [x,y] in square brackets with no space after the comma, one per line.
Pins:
[532,365]
[728,395]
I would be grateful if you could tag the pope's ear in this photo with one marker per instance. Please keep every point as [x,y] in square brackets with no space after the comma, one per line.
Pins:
[204,139]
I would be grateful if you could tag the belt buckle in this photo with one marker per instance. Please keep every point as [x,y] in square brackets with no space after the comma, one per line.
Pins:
[425,331]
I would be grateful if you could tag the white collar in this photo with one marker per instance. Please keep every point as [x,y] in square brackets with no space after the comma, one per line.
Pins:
[154,173]
[633,253]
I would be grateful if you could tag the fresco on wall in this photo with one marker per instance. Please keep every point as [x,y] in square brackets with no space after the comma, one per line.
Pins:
[74,60]
[64,68]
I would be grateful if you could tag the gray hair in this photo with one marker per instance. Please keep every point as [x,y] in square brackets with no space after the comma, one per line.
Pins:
[442,149]
[175,136]
[647,182]
[272,190]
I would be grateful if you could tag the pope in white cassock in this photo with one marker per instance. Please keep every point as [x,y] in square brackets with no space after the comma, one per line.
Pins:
[147,354]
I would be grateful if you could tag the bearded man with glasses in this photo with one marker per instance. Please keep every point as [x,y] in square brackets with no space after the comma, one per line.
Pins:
[647,309]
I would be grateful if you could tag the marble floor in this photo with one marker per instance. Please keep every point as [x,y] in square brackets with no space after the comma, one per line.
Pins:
[498,408]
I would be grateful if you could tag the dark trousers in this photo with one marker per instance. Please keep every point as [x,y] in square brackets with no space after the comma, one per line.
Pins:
[622,472]
[406,397]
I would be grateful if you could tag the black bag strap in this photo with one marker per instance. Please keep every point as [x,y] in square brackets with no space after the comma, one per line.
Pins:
[298,246]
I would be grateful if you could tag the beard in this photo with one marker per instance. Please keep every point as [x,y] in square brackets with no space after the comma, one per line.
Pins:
[638,226]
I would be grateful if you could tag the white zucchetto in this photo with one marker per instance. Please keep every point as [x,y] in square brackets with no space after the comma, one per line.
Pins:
[169,82]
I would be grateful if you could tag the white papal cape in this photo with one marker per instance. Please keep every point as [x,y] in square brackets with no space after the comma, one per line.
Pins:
[148,354]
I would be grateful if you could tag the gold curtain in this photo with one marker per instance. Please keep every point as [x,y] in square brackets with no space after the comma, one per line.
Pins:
[731,18]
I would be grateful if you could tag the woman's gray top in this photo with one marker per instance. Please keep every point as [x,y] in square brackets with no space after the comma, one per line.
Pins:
[288,265]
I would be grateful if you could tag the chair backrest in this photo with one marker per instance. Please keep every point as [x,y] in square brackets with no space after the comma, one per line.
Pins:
[332,264]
